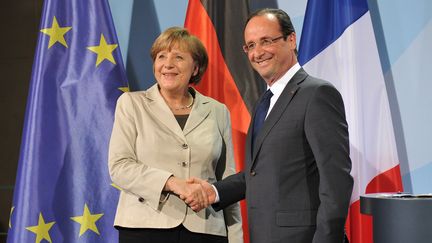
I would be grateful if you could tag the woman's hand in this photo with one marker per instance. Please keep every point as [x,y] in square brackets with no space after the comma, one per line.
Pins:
[192,194]
[208,189]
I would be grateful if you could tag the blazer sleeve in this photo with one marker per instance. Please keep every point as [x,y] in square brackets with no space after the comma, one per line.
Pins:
[232,188]
[126,171]
[327,133]
[232,213]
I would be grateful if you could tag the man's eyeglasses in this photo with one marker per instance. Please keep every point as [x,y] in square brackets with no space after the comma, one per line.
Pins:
[263,42]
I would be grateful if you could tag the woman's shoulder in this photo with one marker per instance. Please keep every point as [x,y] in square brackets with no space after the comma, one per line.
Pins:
[132,96]
[141,95]
[208,100]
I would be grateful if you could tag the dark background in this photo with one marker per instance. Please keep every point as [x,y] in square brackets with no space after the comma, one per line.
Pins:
[19,22]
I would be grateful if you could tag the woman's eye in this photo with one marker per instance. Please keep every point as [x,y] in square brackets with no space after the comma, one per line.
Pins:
[179,57]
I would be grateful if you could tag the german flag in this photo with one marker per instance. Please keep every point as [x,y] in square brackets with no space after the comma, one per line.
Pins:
[230,78]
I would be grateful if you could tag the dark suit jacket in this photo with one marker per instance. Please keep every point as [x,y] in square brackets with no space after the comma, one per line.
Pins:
[296,181]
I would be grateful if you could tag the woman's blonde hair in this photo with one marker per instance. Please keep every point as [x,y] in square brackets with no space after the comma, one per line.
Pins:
[180,38]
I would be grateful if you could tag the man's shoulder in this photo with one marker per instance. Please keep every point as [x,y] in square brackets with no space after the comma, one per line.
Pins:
[315,82]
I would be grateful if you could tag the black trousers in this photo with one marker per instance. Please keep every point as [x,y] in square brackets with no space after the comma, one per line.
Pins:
[178,234]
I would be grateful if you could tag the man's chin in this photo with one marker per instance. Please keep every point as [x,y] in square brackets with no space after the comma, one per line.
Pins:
[264,73]
[261,70]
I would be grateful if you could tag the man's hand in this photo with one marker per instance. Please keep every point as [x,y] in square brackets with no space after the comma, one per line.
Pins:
[193,194]
[208,189]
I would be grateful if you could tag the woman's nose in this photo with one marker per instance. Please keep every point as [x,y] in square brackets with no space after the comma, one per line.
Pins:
[170,61]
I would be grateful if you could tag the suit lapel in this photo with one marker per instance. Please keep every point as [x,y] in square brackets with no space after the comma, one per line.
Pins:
[278,109]
[160,110]
[200,111]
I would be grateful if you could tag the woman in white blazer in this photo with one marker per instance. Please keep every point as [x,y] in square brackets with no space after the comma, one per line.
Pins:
[163,136]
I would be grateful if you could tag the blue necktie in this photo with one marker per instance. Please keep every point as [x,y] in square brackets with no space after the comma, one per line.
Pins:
[261,113]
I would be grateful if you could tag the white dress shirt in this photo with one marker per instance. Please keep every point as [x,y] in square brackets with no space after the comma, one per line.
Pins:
[280,85]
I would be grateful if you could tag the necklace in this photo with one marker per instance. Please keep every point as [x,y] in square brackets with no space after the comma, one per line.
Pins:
[184,107]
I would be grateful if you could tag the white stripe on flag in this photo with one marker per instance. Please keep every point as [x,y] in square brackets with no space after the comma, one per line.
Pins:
[352,64]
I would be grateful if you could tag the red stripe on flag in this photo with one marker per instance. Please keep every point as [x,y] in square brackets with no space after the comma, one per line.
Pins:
[219,84]
[359,226]
[389,181]
[217,81]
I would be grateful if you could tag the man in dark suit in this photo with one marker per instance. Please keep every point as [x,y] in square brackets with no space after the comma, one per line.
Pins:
[296,181]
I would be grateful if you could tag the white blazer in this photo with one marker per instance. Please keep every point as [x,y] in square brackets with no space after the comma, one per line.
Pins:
[148,146]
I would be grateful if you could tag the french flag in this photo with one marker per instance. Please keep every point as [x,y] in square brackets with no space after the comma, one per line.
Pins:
[338,44]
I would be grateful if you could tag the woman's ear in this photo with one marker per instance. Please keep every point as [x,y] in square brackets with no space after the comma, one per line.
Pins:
[195,72]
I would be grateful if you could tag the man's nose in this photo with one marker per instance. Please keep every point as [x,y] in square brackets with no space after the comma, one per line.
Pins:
[258,51]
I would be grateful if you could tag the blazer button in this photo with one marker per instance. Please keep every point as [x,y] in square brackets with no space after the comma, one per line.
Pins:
[253,173]
[141,199]
[184,163]
[185,146]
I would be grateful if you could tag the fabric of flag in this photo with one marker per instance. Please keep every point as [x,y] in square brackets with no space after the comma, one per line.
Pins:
[338,44]
[144,29]
[63,191]
[230,78]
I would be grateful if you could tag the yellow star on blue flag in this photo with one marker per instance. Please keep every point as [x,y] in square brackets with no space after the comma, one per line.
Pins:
[56,33]
[87,221]
[10,216]
[124,89]
[41,229]
[103,51]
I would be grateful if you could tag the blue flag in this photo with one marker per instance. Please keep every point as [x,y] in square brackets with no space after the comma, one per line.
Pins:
[63,191]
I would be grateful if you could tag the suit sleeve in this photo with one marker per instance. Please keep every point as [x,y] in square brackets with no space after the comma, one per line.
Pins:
[232,188]
[131,175]
[327,133]
[232,212]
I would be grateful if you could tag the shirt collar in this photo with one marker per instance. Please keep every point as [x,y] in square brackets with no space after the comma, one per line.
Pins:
[280,84]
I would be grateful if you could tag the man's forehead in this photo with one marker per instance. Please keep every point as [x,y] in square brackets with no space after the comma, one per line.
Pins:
[263,18]
[261,28]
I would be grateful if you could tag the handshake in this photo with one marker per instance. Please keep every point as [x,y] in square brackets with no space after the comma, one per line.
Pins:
[195,192]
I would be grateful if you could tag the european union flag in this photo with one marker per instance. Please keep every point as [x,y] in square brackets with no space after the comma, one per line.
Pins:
[63,191]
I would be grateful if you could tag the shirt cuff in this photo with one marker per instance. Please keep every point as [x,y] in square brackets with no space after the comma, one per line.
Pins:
[217,194]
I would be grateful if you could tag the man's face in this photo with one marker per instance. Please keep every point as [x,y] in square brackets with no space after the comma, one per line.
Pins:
[273,60]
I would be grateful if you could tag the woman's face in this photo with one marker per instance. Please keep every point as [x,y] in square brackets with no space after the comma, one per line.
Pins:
[173,69]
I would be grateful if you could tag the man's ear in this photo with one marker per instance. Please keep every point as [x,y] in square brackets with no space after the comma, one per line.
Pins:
[292,36]
[292,39]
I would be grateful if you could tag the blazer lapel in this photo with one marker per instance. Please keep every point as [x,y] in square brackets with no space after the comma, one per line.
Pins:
[160,110]
[278,109]
[200,111]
